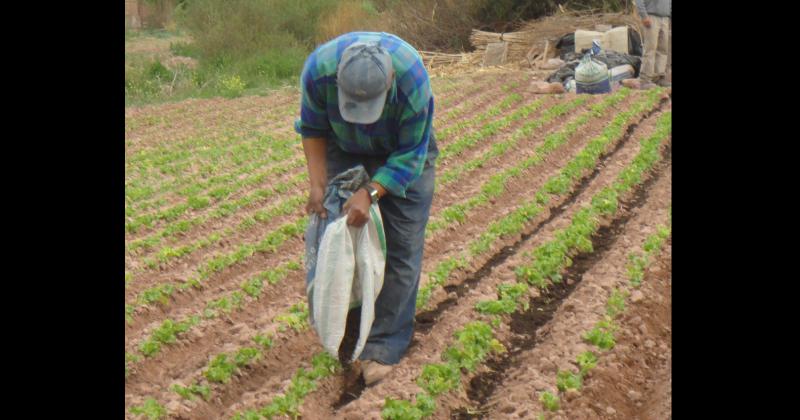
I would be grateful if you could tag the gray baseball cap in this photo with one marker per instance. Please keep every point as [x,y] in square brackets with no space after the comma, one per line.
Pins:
[363,78]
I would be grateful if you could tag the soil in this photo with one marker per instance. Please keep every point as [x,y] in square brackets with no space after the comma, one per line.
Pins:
[632,380]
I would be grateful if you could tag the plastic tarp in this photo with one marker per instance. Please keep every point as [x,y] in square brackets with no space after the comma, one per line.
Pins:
[609,58]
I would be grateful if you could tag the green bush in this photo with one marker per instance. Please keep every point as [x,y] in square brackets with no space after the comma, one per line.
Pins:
[235,29]
[246,45]
[144,79]
[184,49]
[232,86]
[157,71]
[285,62]
[249,46]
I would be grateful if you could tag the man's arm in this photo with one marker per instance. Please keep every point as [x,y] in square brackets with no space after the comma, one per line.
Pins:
[314,126]
[314,149]
[643,13]
[406,163]
[641,9]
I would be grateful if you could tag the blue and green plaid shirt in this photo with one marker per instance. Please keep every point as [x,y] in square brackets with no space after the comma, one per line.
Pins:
[403,131]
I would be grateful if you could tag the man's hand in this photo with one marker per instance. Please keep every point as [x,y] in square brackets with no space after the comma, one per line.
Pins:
[647,22]
[314,204]
[357,208]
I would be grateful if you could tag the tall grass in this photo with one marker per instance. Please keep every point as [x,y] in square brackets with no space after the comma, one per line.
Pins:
[246,46]
[251,46]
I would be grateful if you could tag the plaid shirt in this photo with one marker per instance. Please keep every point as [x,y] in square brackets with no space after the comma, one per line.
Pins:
[403,131]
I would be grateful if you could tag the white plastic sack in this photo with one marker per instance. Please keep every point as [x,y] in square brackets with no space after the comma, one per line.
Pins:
[349,273]
[618,73]
[592,76]
[590,71]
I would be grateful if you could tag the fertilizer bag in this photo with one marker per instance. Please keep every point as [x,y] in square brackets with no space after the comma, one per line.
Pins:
[348,273]
[591,76]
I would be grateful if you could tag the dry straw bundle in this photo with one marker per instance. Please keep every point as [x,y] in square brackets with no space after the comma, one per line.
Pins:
[537,39]
[435,59]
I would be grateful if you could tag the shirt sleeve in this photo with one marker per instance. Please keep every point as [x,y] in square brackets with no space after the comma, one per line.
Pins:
[406,163]
[313,121]
[640,7]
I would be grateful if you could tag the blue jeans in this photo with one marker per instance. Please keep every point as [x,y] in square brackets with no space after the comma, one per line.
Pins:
[404,221]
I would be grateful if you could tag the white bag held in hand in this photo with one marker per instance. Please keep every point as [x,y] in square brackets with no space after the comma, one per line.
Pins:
[349,273]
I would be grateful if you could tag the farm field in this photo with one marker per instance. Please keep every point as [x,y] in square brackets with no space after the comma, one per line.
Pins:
[546,279]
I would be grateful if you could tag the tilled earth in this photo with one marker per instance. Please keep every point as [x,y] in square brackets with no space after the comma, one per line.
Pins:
[632,380]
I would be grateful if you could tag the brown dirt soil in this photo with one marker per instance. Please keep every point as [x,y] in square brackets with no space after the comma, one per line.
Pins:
[634,379]
[447,245]
[216,225]
[515,387]
[469,116]
[143,123]
[184,361]
[467,106]
[174,270]
[175,121]
[551,166]
[526,99]
[279,172]
[470,183]
[187,170]
[178,200]
[486,142]
[167,192]
[254,136]
[166,272]
[273,173]
[144,374]
[474,90]
[274,126]
[144,127]
[159,315]
[223,138]
[165,122]
[156,316]
[255,386]
[484,100]
[216,285]
[428,344]
[224,118]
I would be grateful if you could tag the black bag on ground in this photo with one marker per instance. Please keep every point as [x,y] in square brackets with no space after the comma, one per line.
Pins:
[634,43]
[614,59]
[566,45]
[566,72]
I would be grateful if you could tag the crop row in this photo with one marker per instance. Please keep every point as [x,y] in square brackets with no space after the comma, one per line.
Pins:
[548,261]
[602,334]
[474,344]
[558,185]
